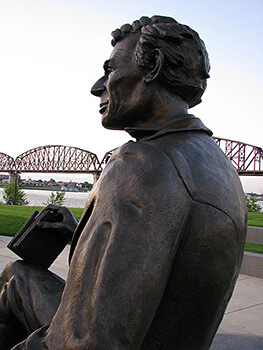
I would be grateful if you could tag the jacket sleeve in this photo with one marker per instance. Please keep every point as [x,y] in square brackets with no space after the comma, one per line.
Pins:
[122,259]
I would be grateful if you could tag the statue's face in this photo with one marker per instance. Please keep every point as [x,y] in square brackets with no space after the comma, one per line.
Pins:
[122,88]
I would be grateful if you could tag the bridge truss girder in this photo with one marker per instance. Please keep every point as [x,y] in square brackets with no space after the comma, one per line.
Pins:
[7,163]
[246,159]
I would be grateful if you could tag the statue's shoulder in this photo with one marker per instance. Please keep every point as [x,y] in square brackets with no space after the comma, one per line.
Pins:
[206,172]
[140,162]
[140,153]
[135,149]
[141,173]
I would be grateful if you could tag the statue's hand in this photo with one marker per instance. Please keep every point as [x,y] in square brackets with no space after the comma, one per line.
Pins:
[63,221]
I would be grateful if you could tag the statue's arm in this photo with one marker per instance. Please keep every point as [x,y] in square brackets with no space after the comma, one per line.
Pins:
[123,257]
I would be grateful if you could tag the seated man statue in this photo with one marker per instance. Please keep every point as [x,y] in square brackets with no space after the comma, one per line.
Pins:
[156,254]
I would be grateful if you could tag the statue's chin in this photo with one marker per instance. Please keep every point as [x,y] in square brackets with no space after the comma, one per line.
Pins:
[108,123]
[113,120]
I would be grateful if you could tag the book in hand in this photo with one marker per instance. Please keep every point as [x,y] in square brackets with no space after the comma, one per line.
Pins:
[37,245]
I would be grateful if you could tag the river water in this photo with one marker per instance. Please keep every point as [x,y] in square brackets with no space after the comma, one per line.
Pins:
[37,197]
[73,199]
[261,204]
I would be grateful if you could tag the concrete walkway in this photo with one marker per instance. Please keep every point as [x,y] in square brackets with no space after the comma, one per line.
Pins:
[242,325]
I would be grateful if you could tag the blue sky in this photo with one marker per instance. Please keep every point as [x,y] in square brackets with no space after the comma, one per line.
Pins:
[51,52]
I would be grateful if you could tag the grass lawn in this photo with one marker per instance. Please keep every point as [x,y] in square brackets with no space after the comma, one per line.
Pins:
[13,217]
[255,219]
[254,248]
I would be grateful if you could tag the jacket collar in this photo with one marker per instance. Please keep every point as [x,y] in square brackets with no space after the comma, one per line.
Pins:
[182,123]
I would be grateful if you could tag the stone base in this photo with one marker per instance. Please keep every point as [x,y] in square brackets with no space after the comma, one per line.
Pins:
[252,265]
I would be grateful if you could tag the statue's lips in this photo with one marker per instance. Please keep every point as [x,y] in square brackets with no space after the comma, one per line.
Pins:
[103,107]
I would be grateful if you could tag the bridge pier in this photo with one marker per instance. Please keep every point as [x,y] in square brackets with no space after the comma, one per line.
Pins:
[11,176]
[96,176]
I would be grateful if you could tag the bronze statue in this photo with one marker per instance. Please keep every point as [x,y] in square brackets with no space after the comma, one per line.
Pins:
[156,254]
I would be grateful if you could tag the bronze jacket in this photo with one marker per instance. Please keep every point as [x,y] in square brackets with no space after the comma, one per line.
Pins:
[157,252]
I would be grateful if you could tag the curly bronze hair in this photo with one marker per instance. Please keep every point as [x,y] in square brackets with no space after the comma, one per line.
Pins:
[186,63]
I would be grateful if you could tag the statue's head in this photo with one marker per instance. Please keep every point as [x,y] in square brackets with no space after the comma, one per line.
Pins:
[156,49]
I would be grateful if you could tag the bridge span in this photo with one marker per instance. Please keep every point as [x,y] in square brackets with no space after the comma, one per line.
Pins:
[52,159]
[246,159]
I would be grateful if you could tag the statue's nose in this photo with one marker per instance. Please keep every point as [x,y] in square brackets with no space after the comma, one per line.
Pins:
[98,88]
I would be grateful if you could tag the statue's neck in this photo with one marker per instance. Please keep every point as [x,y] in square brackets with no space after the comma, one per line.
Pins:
[165,108]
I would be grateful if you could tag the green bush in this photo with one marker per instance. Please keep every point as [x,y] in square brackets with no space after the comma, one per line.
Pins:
[252,205]
[9,191]
[56,197]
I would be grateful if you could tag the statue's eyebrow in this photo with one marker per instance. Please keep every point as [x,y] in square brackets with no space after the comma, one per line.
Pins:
[106,65]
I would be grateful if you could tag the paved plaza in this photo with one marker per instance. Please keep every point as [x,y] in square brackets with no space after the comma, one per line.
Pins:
[242,325]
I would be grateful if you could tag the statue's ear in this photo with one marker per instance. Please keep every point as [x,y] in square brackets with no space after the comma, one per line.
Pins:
[156,67]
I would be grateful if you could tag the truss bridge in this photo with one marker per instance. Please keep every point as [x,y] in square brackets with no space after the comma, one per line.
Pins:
[52,159]
[246,159]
